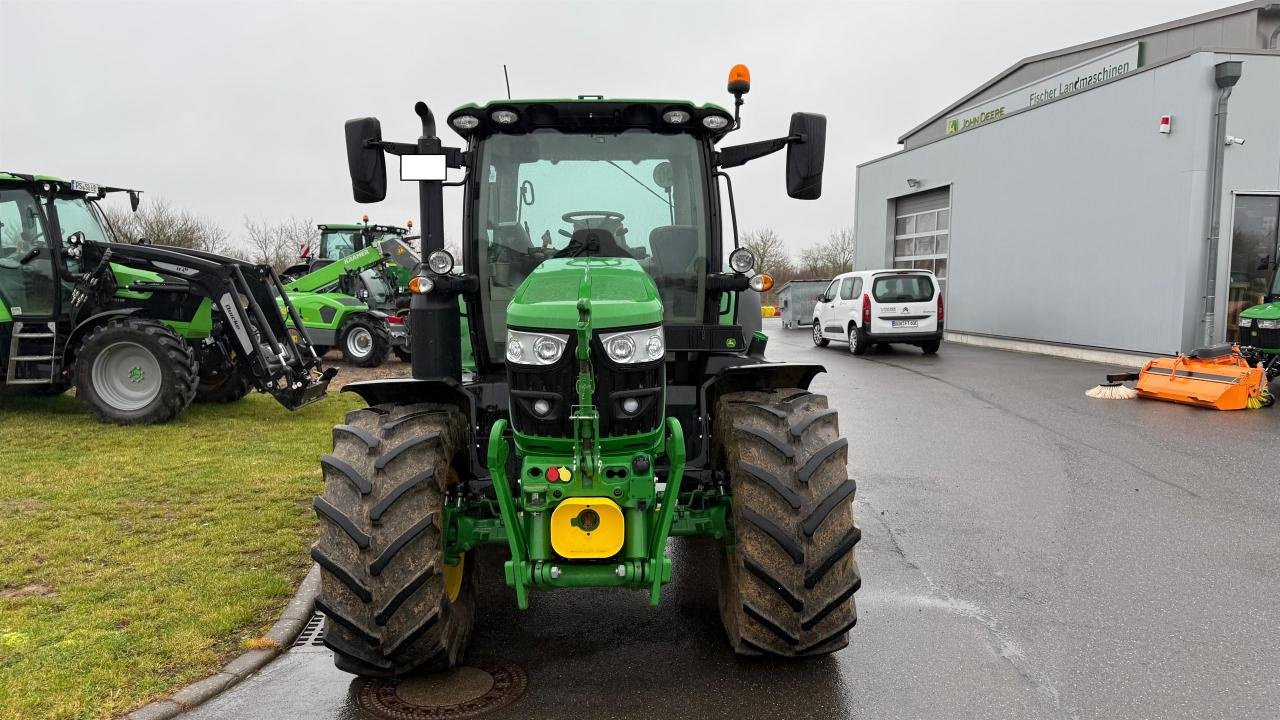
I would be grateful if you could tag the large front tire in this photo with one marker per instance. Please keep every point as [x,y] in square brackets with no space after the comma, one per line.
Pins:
[392,605]
[135,371]
[226,385]
[787,583]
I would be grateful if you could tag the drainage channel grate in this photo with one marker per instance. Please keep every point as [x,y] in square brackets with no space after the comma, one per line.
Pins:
[481,686]
[313,634]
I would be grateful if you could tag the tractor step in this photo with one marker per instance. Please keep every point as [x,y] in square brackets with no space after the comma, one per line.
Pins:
[32,354]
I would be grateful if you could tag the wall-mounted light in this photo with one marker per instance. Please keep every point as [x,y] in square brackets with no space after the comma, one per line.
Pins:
[1233,140]
[913,183]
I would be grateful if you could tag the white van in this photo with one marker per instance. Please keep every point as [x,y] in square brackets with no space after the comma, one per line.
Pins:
[869,307]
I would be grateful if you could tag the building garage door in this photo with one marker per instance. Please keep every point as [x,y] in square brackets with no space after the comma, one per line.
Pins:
[922,232]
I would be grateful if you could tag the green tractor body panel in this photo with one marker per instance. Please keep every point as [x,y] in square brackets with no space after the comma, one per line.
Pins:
[330,274]
[325,310]
[126,276]
[620,293]
[5,315]
[198,326]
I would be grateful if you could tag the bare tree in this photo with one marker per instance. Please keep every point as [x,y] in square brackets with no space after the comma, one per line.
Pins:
[832,257]
[278,244]
[772,258]
[162,224]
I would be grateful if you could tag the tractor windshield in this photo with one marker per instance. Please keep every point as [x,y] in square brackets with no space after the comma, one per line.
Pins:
[646,190]
[337,244]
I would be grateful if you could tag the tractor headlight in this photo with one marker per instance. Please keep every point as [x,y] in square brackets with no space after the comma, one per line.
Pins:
[530,348]
[635,346]
[742,260]
[1268,324]
[466,122]
[440,262]
[676,117]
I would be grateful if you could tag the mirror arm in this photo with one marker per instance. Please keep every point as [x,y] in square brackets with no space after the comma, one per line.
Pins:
[736,155]
[453,157]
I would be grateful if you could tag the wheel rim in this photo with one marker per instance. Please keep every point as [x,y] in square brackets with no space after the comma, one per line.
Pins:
[853,339]
[817,334]
[126,376]
[360,342]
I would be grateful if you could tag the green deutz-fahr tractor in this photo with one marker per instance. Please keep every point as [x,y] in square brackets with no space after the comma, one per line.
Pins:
[139,330]
[621,395]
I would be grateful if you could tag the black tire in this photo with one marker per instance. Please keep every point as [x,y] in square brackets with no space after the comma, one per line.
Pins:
[402,354]
[787,585]
[227,385]
[321,350]
[126,339]
[817,335]
[858,344]
[931,347]
[365,341]
[383,584]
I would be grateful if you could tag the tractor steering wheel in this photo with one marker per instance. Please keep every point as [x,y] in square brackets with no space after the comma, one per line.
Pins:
[587,215]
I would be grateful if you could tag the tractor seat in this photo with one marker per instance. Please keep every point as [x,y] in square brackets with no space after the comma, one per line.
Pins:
[593,242]
[1210,353]
[674,248]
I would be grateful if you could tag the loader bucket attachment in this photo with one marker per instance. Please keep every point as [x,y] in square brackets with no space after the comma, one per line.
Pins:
[1205,379]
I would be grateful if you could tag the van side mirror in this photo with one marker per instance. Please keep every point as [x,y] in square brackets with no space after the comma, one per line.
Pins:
[368,165]
[805,158]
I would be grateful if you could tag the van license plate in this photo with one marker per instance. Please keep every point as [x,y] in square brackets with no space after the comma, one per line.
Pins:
[904,323]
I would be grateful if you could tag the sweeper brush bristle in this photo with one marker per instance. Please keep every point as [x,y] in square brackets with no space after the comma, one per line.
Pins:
[1113,391]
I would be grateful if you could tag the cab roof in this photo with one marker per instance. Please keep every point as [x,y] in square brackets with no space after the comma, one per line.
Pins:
[592,113]
[360,226]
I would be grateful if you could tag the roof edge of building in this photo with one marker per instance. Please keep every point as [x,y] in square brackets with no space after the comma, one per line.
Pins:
[1191,20]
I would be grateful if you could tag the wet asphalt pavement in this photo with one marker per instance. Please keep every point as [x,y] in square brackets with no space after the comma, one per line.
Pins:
[1027,552]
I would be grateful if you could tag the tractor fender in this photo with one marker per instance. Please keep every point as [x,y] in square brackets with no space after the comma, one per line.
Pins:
[407,391]
[751,375]
[89,323]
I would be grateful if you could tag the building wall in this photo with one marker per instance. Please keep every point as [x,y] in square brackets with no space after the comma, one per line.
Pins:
[1240,30]
[1076,222]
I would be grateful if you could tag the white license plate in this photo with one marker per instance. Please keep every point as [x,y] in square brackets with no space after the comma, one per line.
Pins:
[904,323]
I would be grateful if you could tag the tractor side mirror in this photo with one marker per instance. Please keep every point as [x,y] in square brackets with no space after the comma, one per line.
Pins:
[368,166]
[805,157]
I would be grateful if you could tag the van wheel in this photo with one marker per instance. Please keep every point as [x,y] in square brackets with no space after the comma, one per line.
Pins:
[858,344]
[931,347]
[817,335]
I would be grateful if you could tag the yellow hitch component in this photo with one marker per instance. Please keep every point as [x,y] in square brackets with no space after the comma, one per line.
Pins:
[587,527]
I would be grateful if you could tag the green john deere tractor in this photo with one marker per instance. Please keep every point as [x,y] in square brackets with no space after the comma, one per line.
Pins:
[139,330]
[621,395]
[1260,330]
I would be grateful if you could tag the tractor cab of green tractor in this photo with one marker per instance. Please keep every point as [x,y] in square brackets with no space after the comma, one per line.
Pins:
[621,394]
[140,330]
[1259,328]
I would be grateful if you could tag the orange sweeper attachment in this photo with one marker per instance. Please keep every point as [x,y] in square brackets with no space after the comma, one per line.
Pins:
[1219,377]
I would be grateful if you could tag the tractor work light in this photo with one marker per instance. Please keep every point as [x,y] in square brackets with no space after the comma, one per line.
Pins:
[630,406]
[541,407]
[421,285]
[440,262]
[530,348]
[504,117]
[715,122]
[635,346]
[742,260]
[762,282]
[676,117]
[1246,322]
[466,122]
[1268,324]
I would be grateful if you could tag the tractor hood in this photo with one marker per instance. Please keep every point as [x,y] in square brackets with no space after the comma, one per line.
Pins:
[619,292]
[1265,311]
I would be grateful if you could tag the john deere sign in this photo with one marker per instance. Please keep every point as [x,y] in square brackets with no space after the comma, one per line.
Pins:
[1068,82]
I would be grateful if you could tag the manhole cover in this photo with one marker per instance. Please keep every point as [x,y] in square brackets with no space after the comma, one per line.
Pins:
[483,685]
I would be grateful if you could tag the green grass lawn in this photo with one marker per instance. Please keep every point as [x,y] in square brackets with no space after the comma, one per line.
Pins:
[135,560]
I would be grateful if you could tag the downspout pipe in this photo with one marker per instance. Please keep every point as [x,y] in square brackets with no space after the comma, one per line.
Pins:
[1225,75]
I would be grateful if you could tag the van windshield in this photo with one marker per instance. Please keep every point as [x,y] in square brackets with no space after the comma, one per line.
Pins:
[902,288]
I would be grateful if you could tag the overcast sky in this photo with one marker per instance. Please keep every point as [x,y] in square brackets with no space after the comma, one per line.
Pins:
[236,108]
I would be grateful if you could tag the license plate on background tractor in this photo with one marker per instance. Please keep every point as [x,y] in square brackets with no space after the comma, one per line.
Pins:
[904,323]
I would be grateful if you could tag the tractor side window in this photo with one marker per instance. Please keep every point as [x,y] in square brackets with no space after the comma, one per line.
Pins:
[76,215]
[20,227]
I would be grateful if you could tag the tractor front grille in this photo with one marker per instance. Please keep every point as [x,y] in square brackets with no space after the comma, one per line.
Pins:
[615,384]
[1262,339]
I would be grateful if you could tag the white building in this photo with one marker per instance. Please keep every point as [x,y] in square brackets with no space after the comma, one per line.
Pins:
[1067,202]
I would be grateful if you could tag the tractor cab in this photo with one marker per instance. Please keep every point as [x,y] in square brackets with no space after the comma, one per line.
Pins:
[339,241]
